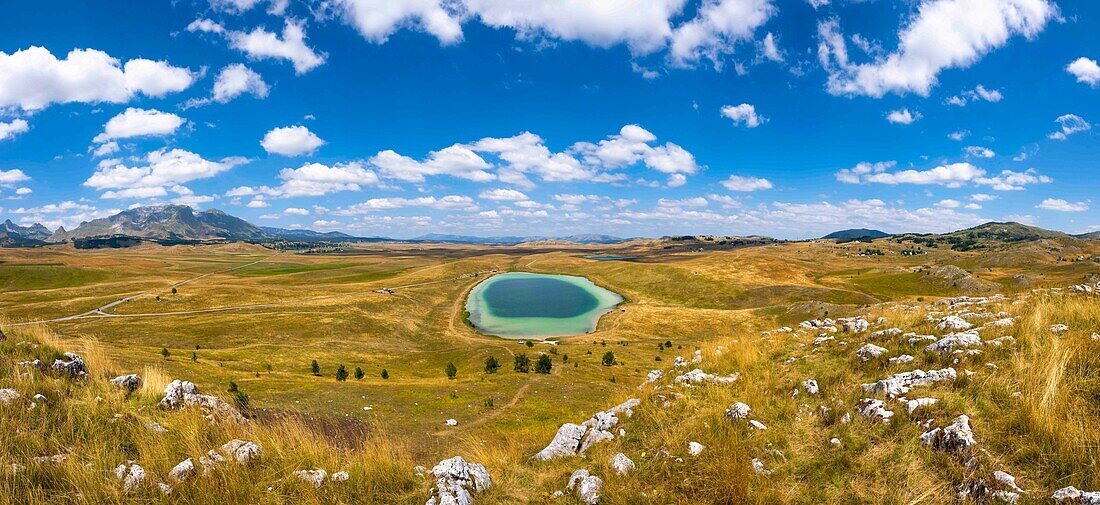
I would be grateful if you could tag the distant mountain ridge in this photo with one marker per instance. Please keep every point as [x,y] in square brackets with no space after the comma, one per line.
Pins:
[166,222]
[856,233]
[511,240]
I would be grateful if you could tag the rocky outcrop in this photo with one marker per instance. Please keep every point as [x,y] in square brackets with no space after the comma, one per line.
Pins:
[874,409]
[899,384]
[953,323]
[572,439]
[869,352]
[179,394]
[72,366]
[952,341]
[955,437]
[1070,495]
[698,376]
[457,481]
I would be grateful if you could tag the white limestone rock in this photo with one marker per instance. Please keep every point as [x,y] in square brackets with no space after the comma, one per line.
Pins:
[131,474]
[869,352]
[953,341]
[953,323]
[874,409]
[340,476]
[738,411]
[314,477]
[587,486]
[72,366]
[241,451]
[622,464]
[901,360]
[955,437]
[127,383]
[695,448]
[8,395]
[179,394]
[810,386]
[899,384]
[182,471]
[1071,495]
[458,481]
[912,405]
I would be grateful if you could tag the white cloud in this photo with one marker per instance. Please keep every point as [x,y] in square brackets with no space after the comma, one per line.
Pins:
[15,127]
[8,178]
[958,135]
[275,7]
[952,175]
[697,201]
[770,49]
[106,149]
[716,28]
[314,179]
[235,80]
[979,152]
[949,204]
[1069,124]
[291,141]
[376,20]
[1085,70]
[739,183]
[67,213]
[261,44]
[164,168]
[449,202]
[135,122]
[979,93]
[508,195]
[33,78]
[456,161]
[744,114]
[1060,205]
[295,211]
[903,116]
[982,197]
[942,34]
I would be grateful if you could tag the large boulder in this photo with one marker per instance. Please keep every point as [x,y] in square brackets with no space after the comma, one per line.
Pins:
[179,394]
[572,439]
[566,442]
[72,366]
[458,481]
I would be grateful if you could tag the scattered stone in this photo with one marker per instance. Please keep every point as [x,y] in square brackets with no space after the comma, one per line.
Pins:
[572,439]
[892,332]
[127,383]
[759,468]
[451,422]
[835,442]
[810,386]
[165,489]
[314,477]
[695,448]
[1072,495]
[458,481]
[913,405]
[737,411]
[954,323]
[73,366]
[8,395]
[698,376]
[587,486]
[854,325]
[901,360]
[953,438]
[566,442]
[697,357]
[1002,323]
[680,362]
[917,339]
[874,409]
[1004,341]
[753,423]
[622,464]
[1058,328]
[340,476]
[210,460]
[869,352]
[899,384]
[183,471]
[156,427]
[1007,480]
[822,339]
[243,452]
[131,474]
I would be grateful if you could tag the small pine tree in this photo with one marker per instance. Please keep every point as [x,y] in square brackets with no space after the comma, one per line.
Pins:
[544,364]
[232,387]
[608,358]
[668,344]
[341,373]
[385,374]
[530,344]
[173,291]
[522,363]
[315,368]
[491,364]
[451,370]
[241,399]
[194,357]
[164,352]
[565,358]
[359,373]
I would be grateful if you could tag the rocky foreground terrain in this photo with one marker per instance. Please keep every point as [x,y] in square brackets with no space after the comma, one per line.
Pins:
[967,399]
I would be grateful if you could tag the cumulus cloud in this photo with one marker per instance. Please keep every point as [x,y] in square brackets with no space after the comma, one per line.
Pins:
[716,28]
[260,44]
[134,122]
[233,81]
[377,20]
[501,194]
[979,152]
[958,135]
[903,116]
[456,161]
[8,178]
[11,129]
[449,202]
[953,175]
[1068,125]
[1085,70]
[744,114]
[978,94]
[295,211]
[291,141]
[769,48]
[162,170]
[313,179]
[1060,205]
[740,183]
[942,34]
[33,78]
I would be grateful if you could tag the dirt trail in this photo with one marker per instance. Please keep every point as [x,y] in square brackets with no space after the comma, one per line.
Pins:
[488,415]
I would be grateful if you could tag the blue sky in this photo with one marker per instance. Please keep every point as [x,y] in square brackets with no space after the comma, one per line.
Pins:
[788,118]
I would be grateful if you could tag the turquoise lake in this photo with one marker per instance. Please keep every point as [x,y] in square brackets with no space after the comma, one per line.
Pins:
[522,305]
